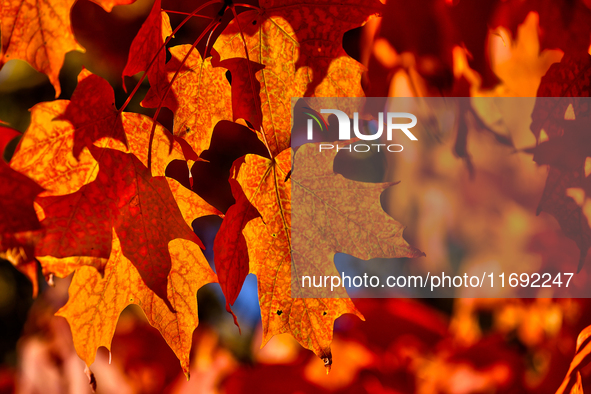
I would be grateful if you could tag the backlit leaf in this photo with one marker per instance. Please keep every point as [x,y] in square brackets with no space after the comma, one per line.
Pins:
[39,32]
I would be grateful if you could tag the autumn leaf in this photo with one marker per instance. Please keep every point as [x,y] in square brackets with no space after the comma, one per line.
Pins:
[54,149]
[96,302]
[45,151]
[147,46]
[333,214]
[572,379]
[199,97]
[20,228]
[243,86]
[267,185]
[230,249]
[92,112]
[309,321]
[562,120]
[16,201]
[38,32]
[299,44]
[124,197]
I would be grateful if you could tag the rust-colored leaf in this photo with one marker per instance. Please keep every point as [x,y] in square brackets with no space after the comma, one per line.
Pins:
[92,112]
[199,96]
[39,32]
[244,87]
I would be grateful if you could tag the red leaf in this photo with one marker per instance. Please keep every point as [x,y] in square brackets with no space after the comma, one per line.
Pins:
[92,112]
[246,101]
[124,196]
[230,250]
[16,201]
[148,43]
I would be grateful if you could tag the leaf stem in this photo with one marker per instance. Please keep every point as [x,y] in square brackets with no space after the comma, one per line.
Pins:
[187,13]
[252,7]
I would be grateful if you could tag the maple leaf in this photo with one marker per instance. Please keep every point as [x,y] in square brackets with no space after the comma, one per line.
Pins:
[147,46]
[124,196]
[269,248]
[38,32]
[92,112]
[16,201]
[45,151]
[299,45]
[54,149]
[557,117]
[230,249]
[242,86]
[96,302]
[267,185]
[199,97]
[18,220]
[331,211]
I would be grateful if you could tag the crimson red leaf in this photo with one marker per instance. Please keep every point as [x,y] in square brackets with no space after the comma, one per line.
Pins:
[124,196]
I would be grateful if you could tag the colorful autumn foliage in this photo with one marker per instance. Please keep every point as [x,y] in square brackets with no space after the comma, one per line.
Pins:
[113,195]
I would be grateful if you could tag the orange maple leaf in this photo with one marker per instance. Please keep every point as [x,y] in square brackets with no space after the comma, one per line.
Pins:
[309,321]
[268,186]
[38,32]
[96,302]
